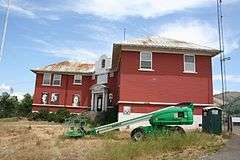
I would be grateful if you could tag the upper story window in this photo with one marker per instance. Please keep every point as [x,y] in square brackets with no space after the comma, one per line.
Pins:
[103,63]
[57,80]
[46,79]
[77,79]
[146,60]
[189,63]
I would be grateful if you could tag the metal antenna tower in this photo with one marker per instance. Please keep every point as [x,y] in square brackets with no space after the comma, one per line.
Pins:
[5,24]
[221,48]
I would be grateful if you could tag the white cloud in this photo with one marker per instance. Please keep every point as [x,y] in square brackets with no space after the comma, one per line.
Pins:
[9,89]
[52,17]
[199,32]
[67,49]
[229,78]
[19,95]
[72,53]
[29,10]
[216,91]
[115,9]
[4,88]
[110,9]
[40,41]
[191,30]
[18,9]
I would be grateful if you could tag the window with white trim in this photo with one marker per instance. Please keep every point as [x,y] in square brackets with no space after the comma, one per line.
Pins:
[189,63]
[145,60]
[46,79]
[77,79]
[76,100]
[55,98]
[57,80]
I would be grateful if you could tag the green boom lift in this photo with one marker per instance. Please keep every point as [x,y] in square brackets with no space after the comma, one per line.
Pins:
[162,121]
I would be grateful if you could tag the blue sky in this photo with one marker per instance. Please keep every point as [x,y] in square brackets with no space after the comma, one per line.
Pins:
[49,31]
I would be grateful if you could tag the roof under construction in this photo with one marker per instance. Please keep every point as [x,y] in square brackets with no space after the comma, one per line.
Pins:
[160,45]
[68,67]
[165,43]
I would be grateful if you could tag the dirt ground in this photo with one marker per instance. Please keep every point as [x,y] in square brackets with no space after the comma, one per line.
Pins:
[26,140]
[29,140]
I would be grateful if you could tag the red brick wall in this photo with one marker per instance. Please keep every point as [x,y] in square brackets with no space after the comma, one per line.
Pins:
[68,89]
[39,89]
[167,83]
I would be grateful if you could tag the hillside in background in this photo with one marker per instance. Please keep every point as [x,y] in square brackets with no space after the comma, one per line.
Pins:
[232,102]
[229,96]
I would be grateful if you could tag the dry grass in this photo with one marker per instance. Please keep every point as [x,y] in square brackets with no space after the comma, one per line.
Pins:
[174,146]
[24,140]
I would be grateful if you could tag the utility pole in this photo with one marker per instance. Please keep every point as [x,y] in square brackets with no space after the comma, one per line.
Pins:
[221,48]
[5,24]
[223,60]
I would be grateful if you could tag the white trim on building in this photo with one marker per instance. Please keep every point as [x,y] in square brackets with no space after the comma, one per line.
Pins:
[189,63]
[145,59]
[57,80]
[77,80]
[197,120]
[160,103]
[46,78]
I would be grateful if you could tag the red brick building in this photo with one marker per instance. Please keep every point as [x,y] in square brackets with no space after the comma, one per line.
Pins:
[142,76]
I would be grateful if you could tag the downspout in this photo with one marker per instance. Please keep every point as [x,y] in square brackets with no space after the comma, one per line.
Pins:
[66,95]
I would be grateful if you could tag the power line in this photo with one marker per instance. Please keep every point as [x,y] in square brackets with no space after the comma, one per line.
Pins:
[5,24]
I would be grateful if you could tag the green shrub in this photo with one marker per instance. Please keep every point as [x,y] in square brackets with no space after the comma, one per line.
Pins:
[34,116]
[61,115]
[51,117]
[8,105]
[25,106]
[43,114]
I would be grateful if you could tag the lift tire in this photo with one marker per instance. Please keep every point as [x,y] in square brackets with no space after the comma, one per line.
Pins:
[179,130]
[138,134]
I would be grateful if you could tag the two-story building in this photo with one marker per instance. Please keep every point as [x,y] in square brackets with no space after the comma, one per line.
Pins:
[142,76]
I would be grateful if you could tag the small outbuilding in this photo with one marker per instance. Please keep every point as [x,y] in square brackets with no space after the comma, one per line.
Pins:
[212,120]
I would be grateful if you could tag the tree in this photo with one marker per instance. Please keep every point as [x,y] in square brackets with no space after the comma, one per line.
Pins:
[233,107]
[25,106]
[8,105]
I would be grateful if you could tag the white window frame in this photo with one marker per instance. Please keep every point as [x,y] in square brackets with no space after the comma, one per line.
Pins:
[44,77]
[79,100]
[74,79]
[54,79]
[140,60]
[184,63]
[57,99]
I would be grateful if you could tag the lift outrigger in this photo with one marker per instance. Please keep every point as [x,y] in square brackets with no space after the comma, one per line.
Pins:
[163,120]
